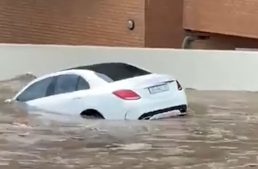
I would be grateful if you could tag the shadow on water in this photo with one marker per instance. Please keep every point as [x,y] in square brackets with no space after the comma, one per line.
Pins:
[219,132]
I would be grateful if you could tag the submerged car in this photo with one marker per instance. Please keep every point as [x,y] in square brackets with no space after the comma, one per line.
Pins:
[115,91]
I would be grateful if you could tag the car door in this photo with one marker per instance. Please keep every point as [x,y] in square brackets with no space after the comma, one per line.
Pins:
[62,95]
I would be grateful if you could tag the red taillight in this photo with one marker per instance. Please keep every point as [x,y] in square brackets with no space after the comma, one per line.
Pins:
[126,94]
[179,86]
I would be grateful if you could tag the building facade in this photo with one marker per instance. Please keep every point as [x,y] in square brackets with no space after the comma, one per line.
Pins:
[222,24]
[136,23]
[205,24]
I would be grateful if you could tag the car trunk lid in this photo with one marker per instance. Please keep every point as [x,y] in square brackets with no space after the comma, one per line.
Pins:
[149,85]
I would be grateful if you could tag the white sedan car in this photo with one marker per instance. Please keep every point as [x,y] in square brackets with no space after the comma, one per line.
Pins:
[115,91]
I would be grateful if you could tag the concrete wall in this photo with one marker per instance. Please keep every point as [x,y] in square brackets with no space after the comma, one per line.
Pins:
[205,70]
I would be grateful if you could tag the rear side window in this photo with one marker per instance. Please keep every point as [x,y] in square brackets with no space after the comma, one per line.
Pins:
[82,84]
[66,83]
[35,91]
[70,83]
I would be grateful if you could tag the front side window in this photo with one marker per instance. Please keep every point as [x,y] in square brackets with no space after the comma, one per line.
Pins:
[35,91]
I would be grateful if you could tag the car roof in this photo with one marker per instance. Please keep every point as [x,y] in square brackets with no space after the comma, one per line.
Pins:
[115,70]
[97,68]
[100,66]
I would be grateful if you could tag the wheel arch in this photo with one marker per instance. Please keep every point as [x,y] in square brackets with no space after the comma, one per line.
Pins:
[92,113]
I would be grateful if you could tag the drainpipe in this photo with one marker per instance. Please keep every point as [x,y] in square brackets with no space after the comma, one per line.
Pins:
[188,41]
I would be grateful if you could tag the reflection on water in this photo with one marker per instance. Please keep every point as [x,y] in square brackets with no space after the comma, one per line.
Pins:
[219,132]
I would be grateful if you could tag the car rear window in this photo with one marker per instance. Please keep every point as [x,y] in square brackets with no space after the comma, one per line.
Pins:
[111,72]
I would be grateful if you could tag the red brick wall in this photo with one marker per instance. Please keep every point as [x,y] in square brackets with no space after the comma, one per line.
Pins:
[217,41]
[229,17]
[80,22]
[164,23]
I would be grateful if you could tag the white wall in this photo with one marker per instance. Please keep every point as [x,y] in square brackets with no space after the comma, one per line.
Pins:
[205,70]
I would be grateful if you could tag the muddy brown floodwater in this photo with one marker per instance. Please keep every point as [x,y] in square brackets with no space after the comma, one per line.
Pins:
[219,132]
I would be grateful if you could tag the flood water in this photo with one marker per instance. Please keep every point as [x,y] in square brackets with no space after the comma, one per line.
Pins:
[219,132]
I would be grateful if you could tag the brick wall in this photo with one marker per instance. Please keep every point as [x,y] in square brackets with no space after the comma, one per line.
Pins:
[80,22]
[164,23]
[228,17]
[225,42]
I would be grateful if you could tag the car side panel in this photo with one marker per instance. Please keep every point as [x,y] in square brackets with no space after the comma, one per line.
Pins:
[76,102]
[60,104]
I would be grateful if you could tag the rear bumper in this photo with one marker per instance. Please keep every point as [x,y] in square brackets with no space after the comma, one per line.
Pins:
[145,109]
[148,115]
